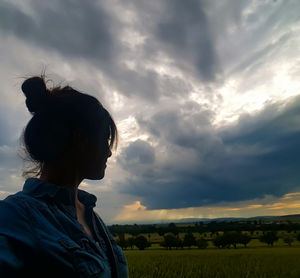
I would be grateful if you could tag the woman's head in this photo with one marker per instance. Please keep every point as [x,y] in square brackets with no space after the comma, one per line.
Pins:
[69,131]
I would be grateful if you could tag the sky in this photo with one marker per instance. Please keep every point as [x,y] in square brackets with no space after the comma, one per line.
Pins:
[205,95]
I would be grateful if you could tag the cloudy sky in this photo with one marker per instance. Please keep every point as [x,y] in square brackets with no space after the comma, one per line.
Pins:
[205,95]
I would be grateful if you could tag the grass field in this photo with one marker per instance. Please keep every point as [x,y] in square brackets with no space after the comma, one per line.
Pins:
[155,237]
[262,262]
[254,243]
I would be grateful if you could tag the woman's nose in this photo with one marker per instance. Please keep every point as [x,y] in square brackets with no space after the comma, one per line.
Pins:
[109,153]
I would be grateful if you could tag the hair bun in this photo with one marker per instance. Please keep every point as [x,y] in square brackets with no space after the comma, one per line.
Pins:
[36,93]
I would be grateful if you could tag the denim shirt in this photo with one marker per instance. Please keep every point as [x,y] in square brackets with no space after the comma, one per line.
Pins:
[40,235]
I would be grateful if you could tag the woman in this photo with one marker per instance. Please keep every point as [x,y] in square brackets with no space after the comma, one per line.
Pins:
[50,228]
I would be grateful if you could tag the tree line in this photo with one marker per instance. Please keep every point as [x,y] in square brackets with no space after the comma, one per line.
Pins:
[206,227]
[226,240]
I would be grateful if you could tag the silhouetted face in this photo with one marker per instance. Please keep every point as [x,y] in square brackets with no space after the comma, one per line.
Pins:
[96,159]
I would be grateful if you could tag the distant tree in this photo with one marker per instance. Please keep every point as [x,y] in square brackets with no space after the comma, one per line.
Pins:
[219,242]
[179,243]
[172,228]
[121,241]
[135,232]
[172,225]
[131,242]
[141,242]
[189,240]
[231,238]
[161,231]
[175,232]
[288,239]
[169,241]
[201,243]
[227,239]
[121,236]
[298,237]
[244,239]
[269,238]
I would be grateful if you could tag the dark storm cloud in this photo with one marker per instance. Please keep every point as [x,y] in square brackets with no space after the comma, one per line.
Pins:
[6,130]
[183,29]
[148,85]
[73,28]
[88,30]
[139,151]
[193,34]
[259,155]
[4,139]
[180,30]
[137,158]
[8,159]
[142,85]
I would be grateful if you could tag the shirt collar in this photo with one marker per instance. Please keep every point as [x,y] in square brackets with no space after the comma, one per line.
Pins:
[38,188]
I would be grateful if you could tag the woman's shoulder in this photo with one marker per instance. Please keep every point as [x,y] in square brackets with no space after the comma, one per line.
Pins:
[15,220]
[15,204]
[12,205]
[19,202]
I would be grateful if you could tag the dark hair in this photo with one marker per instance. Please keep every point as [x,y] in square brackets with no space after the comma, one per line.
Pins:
[58,114]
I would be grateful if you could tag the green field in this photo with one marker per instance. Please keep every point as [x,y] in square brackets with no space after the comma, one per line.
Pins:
[252,262]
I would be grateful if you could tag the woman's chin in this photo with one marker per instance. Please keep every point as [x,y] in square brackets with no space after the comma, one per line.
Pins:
[96,176]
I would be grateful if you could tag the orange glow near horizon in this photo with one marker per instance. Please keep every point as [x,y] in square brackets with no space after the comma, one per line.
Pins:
[288,204]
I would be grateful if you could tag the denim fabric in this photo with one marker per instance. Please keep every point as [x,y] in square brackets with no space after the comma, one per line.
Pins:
[41,237]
